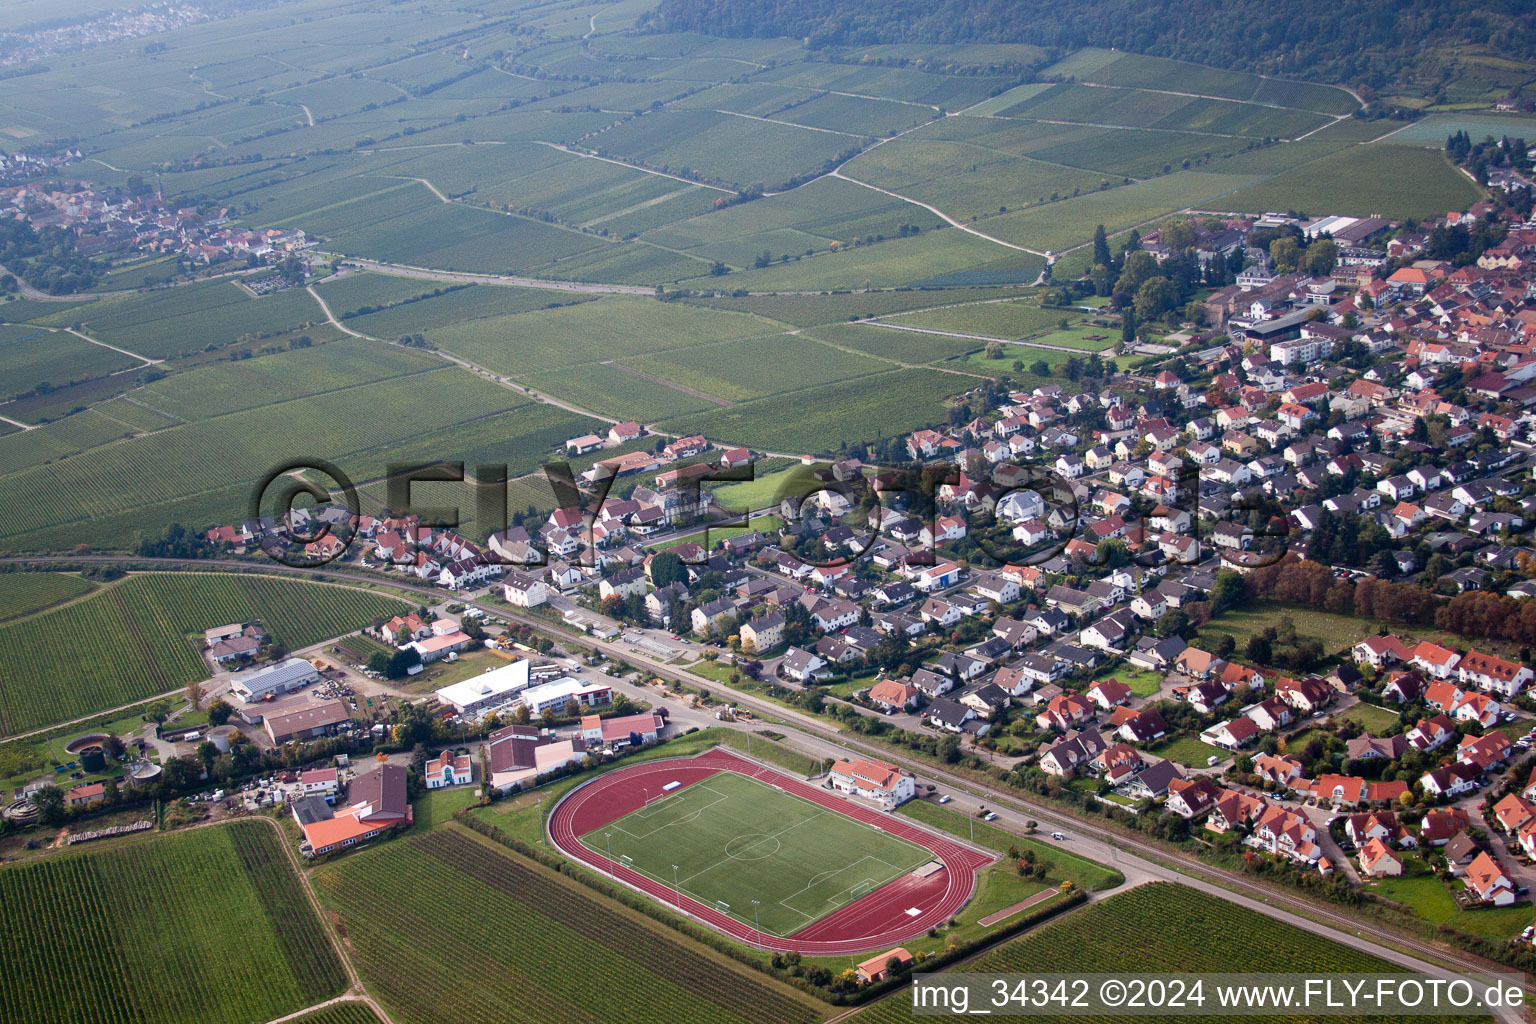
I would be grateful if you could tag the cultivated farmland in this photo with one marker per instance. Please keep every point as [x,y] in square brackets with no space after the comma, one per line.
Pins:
[22,593]
[1379,179]
[820,419]
[211,924]
[142,636]
[1158,927]
[29,357]
[524,929]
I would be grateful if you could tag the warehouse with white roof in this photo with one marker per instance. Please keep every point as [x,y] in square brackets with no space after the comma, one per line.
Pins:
[474,697]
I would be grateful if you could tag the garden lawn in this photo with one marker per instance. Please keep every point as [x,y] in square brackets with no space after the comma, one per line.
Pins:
[1429,899]
[1188,751]
[1369,717]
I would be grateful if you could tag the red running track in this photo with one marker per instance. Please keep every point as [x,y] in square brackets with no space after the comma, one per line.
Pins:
[878,920]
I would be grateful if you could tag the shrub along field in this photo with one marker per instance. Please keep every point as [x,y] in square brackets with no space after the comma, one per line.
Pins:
[458,901]
[143,636]
[209,924]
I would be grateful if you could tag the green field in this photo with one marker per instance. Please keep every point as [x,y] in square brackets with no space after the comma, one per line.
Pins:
[200,473]
[135,921]
[1380,180]
[143,636]
[1158,927]
[542,948]
[1428,897]
[1337,632]
[824,417]
[1188,751]
[736,839]
[30,357]
[352,1012]
[22,593]
[177,321]
[1369,717]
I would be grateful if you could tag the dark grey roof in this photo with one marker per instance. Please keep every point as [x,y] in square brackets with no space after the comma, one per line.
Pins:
[309,809]
[384,788]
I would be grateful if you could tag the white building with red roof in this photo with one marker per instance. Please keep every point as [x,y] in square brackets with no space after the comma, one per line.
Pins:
[449,769]
[882,783]
[1493,674]
[623,730]
[319,782]
[1435,660]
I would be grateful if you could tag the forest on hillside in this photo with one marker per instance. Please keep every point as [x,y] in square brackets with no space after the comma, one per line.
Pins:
[1372,43]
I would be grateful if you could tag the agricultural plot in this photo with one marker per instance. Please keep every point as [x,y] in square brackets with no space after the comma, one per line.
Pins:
[613,389]
[350,295]
[1135,108]
[811,310]
[1161,927]
[1058,226]
[820,419]
[966,181]
[459,901]
[735,839]
[352,1012]
[896,262]
[141,477]
[1432,130]
[826,214]
[177,321]
[216,389]
[857,114]
[142,637]
[755,367]
[1139,71]
[607,328]
[1011,318]
[907,347]
[450,236]
[523,438]
[1378,180]
[952,92]
[22,593]
[136,920]
[29,357]
[629,263]
[729,149]
[456,306]
[760,99]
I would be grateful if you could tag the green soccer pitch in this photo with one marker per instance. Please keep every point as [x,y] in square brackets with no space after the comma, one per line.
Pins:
[735,840]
